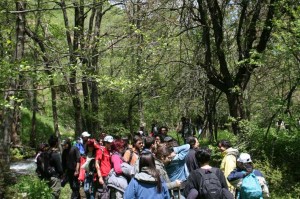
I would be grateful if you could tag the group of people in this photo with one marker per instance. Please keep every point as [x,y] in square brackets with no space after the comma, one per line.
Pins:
[153,166]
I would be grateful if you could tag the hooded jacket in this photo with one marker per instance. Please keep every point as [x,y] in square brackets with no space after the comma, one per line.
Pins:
[163,173]
[144,186]
[229,164]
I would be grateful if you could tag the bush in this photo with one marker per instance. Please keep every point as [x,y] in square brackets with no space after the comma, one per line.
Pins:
[29,187]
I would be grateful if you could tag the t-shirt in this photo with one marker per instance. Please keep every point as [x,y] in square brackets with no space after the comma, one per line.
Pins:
[103,155]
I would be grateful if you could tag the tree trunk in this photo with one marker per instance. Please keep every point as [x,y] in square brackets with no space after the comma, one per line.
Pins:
[19,53]
[49,72]
[73,48]
[236,109]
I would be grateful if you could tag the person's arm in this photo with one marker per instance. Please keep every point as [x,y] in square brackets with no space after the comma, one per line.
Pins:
[193,194]
[222,179]
[235,175]
[99,155]
[193,182]
[130,190]
[181,151]
[77,159]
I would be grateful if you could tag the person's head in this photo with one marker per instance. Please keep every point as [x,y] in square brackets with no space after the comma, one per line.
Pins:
[91,146]
[158,139]
[53,141]
[66,144]
[203,156]
[148,163]
[85,136]
[118,145]
[107,141]
[170,142]
[193,142]
[149,142]
[223,145]
[163,153]
[42,147]
[244,159]
[163,130]
[137,143]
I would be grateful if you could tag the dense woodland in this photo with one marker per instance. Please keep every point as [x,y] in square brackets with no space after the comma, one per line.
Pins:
[67,66]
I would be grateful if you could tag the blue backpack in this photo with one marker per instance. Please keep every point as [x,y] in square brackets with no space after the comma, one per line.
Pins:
[250,188]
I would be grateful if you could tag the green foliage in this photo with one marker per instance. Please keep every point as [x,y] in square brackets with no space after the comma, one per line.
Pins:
[44,128]
[16,153]
[276,155]
[29,187]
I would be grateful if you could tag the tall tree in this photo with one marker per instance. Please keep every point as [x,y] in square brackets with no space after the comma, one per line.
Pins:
[244,26]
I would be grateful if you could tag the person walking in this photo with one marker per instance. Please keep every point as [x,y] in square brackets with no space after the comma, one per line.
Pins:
[147,183]
[207,181]
[243,170]
[228,163]
[55,162]
[71,166]
[191,161]
[103,167]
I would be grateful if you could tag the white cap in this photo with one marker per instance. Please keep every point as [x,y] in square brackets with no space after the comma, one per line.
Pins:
[108,138]
[85,134]
[244,158]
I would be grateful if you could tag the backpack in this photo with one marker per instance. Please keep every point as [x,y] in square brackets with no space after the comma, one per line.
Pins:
[250,188]
[210,186]
[44,169]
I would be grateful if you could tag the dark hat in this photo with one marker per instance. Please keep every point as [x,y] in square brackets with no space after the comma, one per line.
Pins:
[168,139]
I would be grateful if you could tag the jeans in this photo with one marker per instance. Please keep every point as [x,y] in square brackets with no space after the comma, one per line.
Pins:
[89,187]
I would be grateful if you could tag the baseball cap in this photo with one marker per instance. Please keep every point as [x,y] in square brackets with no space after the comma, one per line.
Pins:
[108,138]
[85,134]
[244,158]
[168,138]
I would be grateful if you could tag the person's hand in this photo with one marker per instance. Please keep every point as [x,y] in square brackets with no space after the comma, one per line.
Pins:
[76,173]
[178,183]
[101,181]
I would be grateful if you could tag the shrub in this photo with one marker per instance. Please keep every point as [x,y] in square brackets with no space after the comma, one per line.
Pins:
[29,187]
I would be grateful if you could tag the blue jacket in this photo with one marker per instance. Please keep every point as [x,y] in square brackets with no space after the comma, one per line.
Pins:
[177,169]
[144,186]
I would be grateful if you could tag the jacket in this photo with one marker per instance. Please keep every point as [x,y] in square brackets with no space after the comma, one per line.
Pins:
[144,186]
[228,164]
[120,181]
[177,169]
[163,173]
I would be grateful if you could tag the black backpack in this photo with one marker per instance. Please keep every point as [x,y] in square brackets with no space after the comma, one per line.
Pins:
[44,165]
[210,187]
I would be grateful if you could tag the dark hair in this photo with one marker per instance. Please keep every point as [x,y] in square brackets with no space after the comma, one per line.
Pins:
[162,151]
[149,141]
[147,160]
[163,127]
[203,155]
[136,138]
[225,143]
[117,145]
[53,140]
[68,142]
[191,140]
[42,147]
[93,143]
